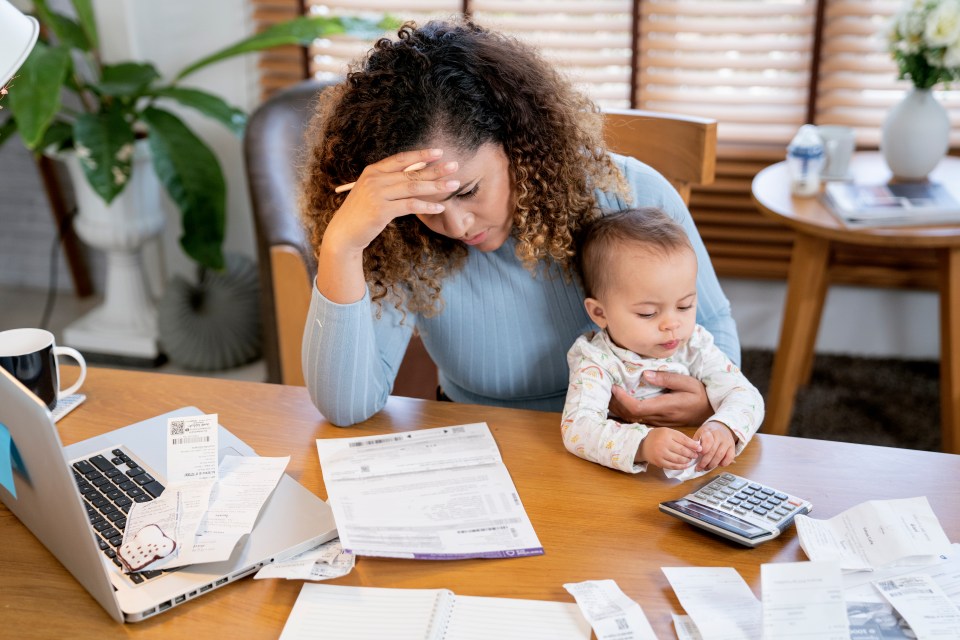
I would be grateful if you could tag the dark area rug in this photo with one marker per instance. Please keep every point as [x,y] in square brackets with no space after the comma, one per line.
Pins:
[887,402]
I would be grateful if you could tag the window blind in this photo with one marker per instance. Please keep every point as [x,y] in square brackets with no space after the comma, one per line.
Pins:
[590,41]
[761,68]
[858,81]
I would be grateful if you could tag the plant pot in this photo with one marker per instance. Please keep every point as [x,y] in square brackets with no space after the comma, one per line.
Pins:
[915,135]
[125,325]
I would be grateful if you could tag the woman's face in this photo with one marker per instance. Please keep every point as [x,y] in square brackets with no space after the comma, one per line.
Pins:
[480,212]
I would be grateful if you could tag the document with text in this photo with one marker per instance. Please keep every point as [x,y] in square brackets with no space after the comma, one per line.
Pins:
[923,604]
[718,601]
[875,534]
[198,522]
[803,600]
[436,494]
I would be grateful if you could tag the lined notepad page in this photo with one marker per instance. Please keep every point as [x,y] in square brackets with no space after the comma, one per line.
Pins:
[360,613]
[476,618]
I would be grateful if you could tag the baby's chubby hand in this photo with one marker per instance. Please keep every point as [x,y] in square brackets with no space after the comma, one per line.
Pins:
[719,447]
[668,449]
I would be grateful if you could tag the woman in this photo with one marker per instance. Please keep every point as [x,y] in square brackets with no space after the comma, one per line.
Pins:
[500,162]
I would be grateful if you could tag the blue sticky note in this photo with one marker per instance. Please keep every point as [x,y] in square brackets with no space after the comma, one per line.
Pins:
[6,455]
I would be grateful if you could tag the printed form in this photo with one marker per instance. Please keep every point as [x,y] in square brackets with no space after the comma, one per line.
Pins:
[438,494]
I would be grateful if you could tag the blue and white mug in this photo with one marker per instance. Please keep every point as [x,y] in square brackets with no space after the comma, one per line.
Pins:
[30,355]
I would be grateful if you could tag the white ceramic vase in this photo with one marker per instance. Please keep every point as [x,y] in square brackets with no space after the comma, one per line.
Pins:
[915,135]
[125,325]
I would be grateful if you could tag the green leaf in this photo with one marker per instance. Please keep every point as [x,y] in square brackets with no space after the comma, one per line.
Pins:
[126,79]
[7,129]
[67,31]
[56,136]
[302,31]
[35,92]
[192,176]
[88,23]
[207,104]
[103,143]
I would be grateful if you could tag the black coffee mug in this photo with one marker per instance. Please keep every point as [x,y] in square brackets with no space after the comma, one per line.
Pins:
[30,355]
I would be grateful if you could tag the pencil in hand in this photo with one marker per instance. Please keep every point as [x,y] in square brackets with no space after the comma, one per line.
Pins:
[346,187]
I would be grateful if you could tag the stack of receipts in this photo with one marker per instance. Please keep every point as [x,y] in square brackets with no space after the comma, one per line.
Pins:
[875,534]
[801,600]
[205,509]
[437,494]
[882,569]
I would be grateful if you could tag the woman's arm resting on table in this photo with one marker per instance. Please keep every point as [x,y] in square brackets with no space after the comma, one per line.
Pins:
[350,359]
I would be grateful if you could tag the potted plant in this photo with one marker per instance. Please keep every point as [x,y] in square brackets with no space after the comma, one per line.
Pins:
[114,105]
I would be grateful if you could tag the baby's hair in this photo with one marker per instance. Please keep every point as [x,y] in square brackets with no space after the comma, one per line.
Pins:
[606,236]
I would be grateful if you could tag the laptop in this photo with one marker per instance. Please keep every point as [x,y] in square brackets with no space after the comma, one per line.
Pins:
[48,501]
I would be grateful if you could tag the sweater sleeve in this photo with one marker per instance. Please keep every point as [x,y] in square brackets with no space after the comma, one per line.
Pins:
[735,401]
[587,431]
[652,189]
[350,357]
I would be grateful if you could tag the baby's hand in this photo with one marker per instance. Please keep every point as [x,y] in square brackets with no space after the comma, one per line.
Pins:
[719,445]
[668,449]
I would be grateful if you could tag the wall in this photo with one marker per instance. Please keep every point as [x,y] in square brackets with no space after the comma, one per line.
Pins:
[172,34]
[867,321]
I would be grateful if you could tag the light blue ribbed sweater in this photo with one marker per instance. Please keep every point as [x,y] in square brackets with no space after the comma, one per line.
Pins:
[503,334]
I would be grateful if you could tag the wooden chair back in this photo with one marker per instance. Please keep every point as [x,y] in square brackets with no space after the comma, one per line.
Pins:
[682,148]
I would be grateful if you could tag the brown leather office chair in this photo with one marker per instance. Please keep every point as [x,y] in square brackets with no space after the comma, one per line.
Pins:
[273,151]
[682,148]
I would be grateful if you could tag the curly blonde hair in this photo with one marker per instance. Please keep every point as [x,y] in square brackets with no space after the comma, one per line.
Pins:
[459,82]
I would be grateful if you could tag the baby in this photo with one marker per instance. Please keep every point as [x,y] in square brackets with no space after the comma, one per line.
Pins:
[639,275]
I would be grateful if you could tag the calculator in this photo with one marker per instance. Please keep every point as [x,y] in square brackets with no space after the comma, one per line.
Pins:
[738,509]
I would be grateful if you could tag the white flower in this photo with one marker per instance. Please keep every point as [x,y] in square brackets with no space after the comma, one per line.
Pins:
[942,27]
[951,57]
[924,40]
[119,177]
[124,153]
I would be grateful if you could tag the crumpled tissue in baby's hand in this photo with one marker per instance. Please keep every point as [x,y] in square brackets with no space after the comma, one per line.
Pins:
[687,473]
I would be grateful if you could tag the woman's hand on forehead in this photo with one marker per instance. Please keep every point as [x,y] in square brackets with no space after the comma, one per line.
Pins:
[384,191]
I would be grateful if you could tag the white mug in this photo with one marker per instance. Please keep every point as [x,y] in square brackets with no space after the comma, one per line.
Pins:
[839,143]
[30,355]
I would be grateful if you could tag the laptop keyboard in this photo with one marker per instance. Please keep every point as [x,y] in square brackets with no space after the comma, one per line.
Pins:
[110,486]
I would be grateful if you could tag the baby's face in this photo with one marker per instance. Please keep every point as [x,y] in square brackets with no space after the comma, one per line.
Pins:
[650,304]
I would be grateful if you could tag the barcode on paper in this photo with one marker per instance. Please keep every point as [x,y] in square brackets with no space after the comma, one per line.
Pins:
[377,441]
[176,427]
[190,439]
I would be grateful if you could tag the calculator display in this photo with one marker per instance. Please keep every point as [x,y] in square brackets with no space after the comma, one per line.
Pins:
[738,509]
[717,518]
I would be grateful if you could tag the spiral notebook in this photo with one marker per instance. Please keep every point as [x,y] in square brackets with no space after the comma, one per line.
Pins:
[368,613]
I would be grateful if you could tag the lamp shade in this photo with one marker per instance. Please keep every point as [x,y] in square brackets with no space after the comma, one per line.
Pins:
[18,34]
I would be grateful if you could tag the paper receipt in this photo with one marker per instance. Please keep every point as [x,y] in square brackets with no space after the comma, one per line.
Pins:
[192,449]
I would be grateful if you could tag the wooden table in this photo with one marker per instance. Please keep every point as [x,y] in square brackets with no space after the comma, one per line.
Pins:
[810,268]
[593,522]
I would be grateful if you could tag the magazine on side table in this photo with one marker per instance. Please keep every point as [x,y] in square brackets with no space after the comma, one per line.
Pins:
[895,204]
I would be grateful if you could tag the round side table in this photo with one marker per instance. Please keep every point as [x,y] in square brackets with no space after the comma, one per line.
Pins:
[809,275]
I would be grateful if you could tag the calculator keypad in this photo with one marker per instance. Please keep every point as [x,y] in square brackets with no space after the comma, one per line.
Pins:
[749,500]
